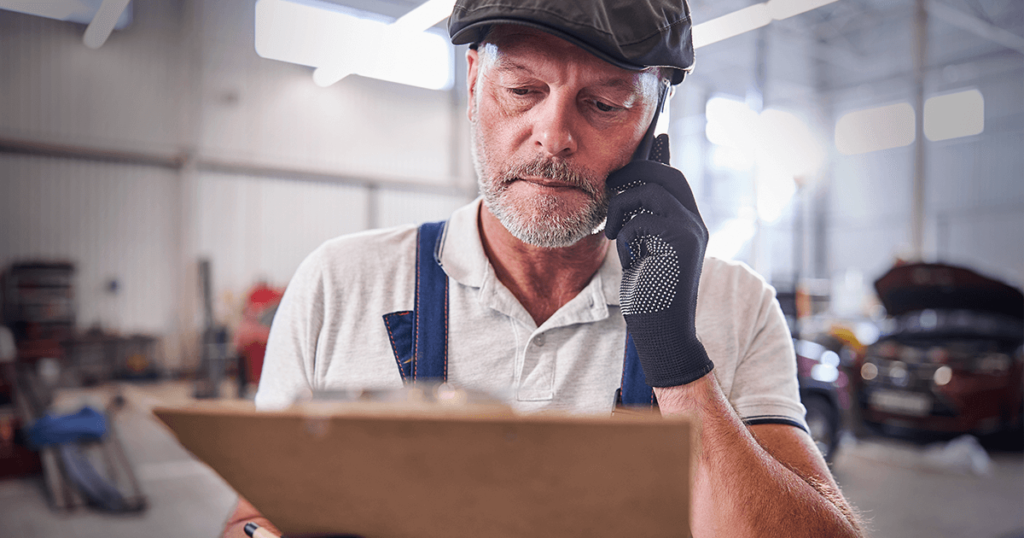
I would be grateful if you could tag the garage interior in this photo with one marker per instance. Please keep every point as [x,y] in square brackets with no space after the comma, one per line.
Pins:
[161,180]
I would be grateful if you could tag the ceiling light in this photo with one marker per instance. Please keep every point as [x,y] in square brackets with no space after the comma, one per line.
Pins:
[80,11]
[750,18]
[730,25]
[103,23]
[784,9]
[875,129]
[954,115]
[340,41]
[395,38]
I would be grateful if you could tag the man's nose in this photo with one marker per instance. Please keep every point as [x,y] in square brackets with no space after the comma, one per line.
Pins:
[554,129]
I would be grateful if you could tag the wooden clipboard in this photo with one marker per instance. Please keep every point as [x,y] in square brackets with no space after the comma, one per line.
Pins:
[381,471]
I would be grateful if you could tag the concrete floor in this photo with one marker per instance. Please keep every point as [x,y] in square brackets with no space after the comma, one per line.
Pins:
[902,489]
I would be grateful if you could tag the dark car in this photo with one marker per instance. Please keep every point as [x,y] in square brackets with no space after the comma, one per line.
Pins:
[823,389]
[951,361]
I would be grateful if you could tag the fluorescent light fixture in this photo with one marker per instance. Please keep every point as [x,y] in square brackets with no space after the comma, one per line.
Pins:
[954,115]
[80,11]
[344,41]
[750,18]
[875,129]
[394,39]
[773,137]
[784,9]
[103,23]
[423,17]
[733,24]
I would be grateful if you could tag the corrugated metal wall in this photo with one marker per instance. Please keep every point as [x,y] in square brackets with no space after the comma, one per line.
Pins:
[974,195]
[113,221]
[127,95]
[118,222]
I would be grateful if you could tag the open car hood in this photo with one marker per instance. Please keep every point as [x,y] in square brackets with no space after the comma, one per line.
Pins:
[919,286]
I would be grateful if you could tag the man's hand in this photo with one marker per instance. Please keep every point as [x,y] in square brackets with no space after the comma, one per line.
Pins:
[244,513]
[660,238]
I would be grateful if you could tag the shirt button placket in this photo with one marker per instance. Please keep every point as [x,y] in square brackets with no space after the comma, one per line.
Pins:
[536,379]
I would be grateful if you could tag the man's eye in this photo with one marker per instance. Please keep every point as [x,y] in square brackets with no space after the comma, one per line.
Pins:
[604,107]
[519,91]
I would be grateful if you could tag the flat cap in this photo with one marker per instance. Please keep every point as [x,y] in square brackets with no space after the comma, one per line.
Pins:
[631,34]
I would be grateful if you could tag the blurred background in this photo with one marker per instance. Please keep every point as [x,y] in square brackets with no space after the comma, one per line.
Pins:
[165,165]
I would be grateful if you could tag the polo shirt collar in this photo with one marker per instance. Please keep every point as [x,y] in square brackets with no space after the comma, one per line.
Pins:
[462,253]
[463,258]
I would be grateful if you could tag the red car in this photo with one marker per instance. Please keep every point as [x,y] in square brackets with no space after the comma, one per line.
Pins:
[952,360]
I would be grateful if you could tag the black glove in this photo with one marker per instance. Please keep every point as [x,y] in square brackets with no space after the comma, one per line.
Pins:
[661,240]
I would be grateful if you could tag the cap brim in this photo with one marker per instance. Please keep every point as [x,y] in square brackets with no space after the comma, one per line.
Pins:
[475,32]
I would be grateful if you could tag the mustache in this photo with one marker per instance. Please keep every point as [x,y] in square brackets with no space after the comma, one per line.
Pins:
[573,175]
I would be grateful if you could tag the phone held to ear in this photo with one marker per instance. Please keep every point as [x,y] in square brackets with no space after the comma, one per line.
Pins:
[660,238]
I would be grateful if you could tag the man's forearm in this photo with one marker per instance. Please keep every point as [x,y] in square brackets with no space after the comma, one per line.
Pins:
[739,488]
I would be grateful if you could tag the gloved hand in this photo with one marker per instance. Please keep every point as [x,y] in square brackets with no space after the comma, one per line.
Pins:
[660,238]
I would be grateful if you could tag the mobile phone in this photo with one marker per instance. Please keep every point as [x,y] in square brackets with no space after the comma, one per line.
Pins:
[643,151]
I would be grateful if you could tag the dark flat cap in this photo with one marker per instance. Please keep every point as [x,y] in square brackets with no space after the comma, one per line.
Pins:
[631,34]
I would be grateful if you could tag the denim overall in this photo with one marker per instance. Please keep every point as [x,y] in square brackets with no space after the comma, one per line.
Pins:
[419,338]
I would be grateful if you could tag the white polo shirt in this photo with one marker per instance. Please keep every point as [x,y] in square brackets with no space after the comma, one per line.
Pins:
[329,331]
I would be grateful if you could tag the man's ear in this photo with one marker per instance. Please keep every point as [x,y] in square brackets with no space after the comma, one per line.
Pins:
[472,66]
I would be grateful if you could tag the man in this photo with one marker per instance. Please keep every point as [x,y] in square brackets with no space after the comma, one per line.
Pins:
[536,304]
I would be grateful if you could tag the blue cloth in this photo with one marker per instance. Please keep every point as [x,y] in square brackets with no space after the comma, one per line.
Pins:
[86,424]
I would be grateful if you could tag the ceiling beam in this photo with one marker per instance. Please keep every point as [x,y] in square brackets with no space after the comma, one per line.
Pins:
[976,26]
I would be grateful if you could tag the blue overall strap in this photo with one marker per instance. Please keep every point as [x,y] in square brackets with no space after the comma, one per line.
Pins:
[635,392]
[430,326]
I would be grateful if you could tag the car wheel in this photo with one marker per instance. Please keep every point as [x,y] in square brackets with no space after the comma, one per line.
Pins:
[823,422]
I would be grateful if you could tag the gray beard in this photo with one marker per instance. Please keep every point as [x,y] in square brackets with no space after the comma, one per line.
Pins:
[549,227]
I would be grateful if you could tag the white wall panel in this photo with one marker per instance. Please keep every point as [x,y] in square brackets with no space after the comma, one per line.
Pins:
[973,240]
[125,95]
[405,207]
[260,229]
[113,221]
[974,196]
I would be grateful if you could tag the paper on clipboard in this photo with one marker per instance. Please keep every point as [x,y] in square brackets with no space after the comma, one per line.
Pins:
[390,472]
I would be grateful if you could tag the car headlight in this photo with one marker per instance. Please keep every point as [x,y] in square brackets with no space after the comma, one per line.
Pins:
[868,371]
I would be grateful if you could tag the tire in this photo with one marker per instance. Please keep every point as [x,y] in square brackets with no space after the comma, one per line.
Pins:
[823,421]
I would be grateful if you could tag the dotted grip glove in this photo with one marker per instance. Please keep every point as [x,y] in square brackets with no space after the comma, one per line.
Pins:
[660,238]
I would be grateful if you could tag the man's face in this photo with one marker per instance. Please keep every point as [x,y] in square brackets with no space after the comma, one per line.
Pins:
[549,122]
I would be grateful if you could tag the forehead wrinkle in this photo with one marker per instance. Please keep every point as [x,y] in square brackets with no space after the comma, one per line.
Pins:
[621,83]
[504,63]
[629,84]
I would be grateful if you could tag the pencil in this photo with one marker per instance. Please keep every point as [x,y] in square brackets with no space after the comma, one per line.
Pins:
[254,530]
